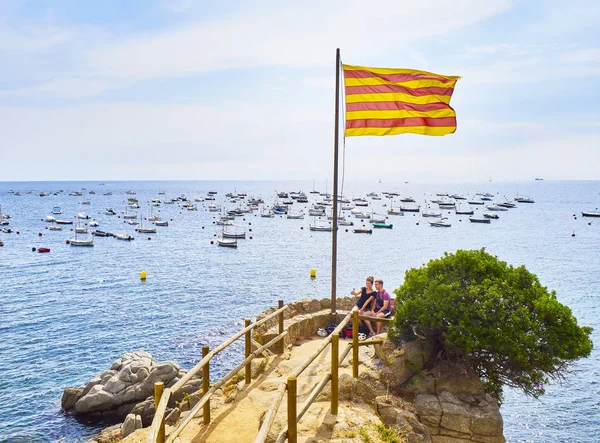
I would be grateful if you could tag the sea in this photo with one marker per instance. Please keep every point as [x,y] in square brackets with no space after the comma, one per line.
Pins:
[66,315]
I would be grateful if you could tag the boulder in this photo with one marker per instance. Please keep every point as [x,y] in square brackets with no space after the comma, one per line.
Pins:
[115,393]
[131,423]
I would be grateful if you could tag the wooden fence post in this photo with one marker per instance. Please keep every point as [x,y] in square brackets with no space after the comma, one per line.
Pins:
[292,413]
[248,351]
[335,350]
[355,343]
[280,318]
[159,388]
[205,386]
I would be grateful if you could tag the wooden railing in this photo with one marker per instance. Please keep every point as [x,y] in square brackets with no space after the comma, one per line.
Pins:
[157,431]
[162,396]
[291,433]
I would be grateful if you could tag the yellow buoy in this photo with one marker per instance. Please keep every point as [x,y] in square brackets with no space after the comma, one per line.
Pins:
[313,273]
[143,275]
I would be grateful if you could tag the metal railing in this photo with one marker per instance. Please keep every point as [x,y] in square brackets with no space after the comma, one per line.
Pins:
[162,396]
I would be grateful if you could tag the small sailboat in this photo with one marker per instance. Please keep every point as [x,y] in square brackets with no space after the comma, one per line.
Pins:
[78,242]
[145,230]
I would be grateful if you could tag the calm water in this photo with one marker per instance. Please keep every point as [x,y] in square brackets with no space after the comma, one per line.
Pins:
[67,315]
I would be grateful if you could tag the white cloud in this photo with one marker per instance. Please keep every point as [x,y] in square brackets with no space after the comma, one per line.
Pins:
[582,56]
[271,34]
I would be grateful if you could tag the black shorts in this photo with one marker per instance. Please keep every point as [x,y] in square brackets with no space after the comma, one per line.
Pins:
[386,314]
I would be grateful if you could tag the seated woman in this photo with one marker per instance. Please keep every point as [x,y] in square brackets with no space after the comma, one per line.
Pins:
[381,306]
[366,300]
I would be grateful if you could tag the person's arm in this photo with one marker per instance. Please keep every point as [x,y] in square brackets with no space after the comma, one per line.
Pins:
[356,292]
[384,308]
[365,306]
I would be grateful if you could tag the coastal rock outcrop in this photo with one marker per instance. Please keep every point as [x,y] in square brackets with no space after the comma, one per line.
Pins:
[446,397]
[113,394]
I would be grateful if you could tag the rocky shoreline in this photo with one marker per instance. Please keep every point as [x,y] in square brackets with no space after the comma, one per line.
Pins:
[403,388]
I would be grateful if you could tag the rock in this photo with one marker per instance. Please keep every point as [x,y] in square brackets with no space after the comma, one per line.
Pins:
[70,397]
[114,393]
[131,423]
[145,410]
[258,366]
[402,363]
[395,412]
[173,416]
[111,434]
[360,389]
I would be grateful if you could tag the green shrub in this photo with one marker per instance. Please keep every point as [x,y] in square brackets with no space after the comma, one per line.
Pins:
[500,318]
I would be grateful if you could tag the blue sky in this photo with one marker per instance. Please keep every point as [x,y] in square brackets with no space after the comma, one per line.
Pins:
[245,90]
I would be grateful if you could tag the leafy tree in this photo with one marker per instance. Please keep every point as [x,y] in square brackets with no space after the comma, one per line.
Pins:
[500,318]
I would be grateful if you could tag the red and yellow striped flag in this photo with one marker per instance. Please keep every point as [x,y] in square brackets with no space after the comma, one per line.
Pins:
[381,101]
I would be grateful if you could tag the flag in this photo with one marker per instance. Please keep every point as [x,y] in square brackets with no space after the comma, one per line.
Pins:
[381,101]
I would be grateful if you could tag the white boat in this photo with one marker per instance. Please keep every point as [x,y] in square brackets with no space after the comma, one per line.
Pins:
[267,213]
[82,215]
[54,228]
[145,230]
[524,200]
[316,227]
[161,223]
[110,211]
[491,215]
[496,208]
[132,221]
[130,216]
[223,222]
[429,213]
[80,229]
[344,222]
[56,210]
[298,216]
[507,205]
[77,242]
[227,234]
[479,220]
[50,219]
[123,236]
[441,223]
[63,222]
[94,224]
[460,211]
[213,208]
[227,242]
[377,218]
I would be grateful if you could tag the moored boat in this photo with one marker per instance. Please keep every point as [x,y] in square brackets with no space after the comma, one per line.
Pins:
[383,225]
[441,223]
[227,242]
[590,214]
[479,220]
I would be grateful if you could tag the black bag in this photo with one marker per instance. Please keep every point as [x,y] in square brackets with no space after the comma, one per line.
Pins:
[346,332]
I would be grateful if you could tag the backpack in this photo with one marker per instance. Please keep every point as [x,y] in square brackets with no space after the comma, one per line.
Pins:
[346,332]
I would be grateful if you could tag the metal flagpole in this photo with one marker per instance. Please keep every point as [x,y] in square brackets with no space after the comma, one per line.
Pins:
[335,188]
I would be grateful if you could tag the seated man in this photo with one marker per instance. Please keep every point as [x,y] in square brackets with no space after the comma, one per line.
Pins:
[381,307]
